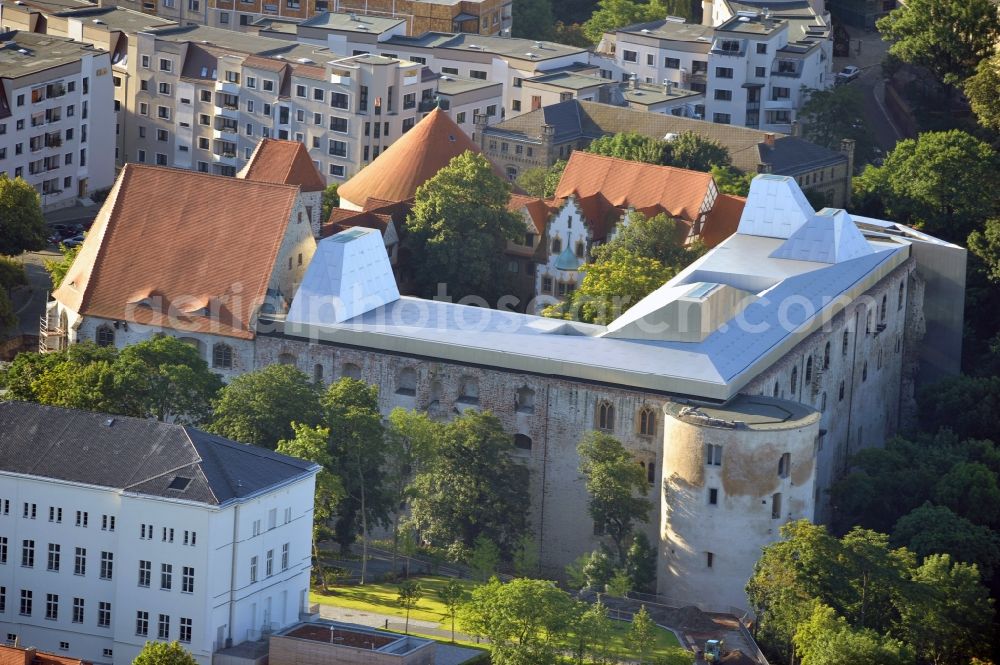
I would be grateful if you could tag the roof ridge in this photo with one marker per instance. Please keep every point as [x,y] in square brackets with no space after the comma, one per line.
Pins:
[213,176]
[119,187]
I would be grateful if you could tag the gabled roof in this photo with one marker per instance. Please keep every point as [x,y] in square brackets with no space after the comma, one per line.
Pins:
[283,163]
[412,160]
[722,220]
[376,214]
[169,242]
[137,455]
[625,184]
[538,209]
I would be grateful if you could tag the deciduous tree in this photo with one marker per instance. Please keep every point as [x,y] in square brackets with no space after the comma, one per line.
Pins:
[57,268]
[259,407]
[640,563]
[827,639]
[642,633]
[472,487]
[330,200]
[164,653]
[459,229]
[617,488]
[838,113]
[410,593]
[932,529]
[23,228]
[452,594]
[532,19]
[981,89]
[949,37]
[631,146]
[11,275]
[693,151]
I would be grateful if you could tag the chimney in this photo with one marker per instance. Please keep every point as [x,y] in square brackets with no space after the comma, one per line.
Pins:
[763,167]
[668,86]
[847,147]
[769,139]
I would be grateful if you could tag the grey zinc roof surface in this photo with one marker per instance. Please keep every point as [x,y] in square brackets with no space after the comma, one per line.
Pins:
[791,155]
[136,455]
[672,30]
[344,21]
[42,52]
[116,18]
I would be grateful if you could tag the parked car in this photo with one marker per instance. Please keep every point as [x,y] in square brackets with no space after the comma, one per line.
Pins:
[848,74]
[75,241]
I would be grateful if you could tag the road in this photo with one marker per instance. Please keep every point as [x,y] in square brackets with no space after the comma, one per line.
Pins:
[867,52]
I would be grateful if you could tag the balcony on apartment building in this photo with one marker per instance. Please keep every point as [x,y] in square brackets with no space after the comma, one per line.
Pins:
[225,128]
[227,105]
[224,152]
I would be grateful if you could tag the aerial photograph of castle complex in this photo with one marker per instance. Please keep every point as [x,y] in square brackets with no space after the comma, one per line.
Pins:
[499,332]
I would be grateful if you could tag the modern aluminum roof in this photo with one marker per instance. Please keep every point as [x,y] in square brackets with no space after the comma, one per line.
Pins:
[754,335]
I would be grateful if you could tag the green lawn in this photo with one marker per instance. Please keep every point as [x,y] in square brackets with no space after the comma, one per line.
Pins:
[382,599]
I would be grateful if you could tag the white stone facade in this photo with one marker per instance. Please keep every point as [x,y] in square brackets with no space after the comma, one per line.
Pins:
[206,549]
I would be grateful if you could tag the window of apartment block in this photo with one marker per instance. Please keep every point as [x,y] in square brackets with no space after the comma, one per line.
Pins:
[778,92]
[143,108]
[672,63]
[338,124]
[104,614]
[28,553]
[205,95]
[713,496]
[107,565]
[337,148]
[163,627]
[630,56]
[187,579]
[253,569]
[449,70]
[185,630]
[166,576]
[166,65]
[163,112]
[224,18]
[760,72]
[145,61]
[300,91]
[267,85]
[724,72]
[337,170]
[78,605]
[53,560]
[142,623]
[338,100]
[721,118]
[26,602]
[724,95]
[776,506]
[145,573]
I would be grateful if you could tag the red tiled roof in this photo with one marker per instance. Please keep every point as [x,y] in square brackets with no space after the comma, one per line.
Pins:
[283,163]
[537,208]
[184,240]
[412,160]
[606,186]
[13,655]
[268,64]
[377,214]
[722,219]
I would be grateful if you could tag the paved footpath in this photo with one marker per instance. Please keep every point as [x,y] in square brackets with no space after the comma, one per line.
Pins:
[447,654]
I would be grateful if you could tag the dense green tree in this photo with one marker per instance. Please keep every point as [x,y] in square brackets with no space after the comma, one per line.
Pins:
[23,228]
[472,487]
[485,558]
[827,639]
[532,181]
[570,34]
[410,440]
[838,113]
[943,183]
[552,178]
[459,229]
[598,569]
[948,616]
[167,379]
[259,407]
[57,268]
[985,243]
[312,443]
[591,629]
[730,181]
[330,200]
[693,151]
[949,37]
[526,556]
[640,563]
[613,14]
[522,619]
[164,653]
[632,146]
[162,378]
[11,275]
[357,447]
[658,237]
[410,593]
[532,19]
[932,529]
[616,486]
[964,404]
[970,489]
[982,90]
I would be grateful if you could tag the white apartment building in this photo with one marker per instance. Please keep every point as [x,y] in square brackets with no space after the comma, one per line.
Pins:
[56,117]
[117,531]
[753,68]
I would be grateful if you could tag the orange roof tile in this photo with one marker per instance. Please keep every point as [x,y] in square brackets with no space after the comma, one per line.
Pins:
[267,64]
[184,240]
[283,163]
[722,219]
[412,160]
[538,209]
[14,655]
[621,183]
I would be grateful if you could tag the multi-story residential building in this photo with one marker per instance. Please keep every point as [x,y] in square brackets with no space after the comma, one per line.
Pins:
[117,531]
[542,137]
[56,117]
[755,67]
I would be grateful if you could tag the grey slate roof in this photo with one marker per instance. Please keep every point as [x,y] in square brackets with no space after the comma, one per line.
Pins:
[137,455]
[792,155]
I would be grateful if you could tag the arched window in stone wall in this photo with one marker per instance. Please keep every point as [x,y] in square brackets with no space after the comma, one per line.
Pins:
[522,442]
[318,373]
[777,389]
[864,372]
[844,344]
[899,301]
[605,416]
[406,382]
[826,356]
[647,421]
[525,400]
[437,390]
[793,382]
[469,390]
[809,369]
[105,335]
[287,359]
[222,356]
[881,312]
[350,370]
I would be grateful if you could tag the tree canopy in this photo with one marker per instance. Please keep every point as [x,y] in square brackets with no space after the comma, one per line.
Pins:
[949,37]
[616,486]
[687,150]
[613,14]
[943,183]
[981,89]
[471,487]
[632,146]
[459,227]
[838,113]
[162,378]
[57,268]
[330,200]
[259,407]
[532,19]
[11,275]
[23,228]
[164,653]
